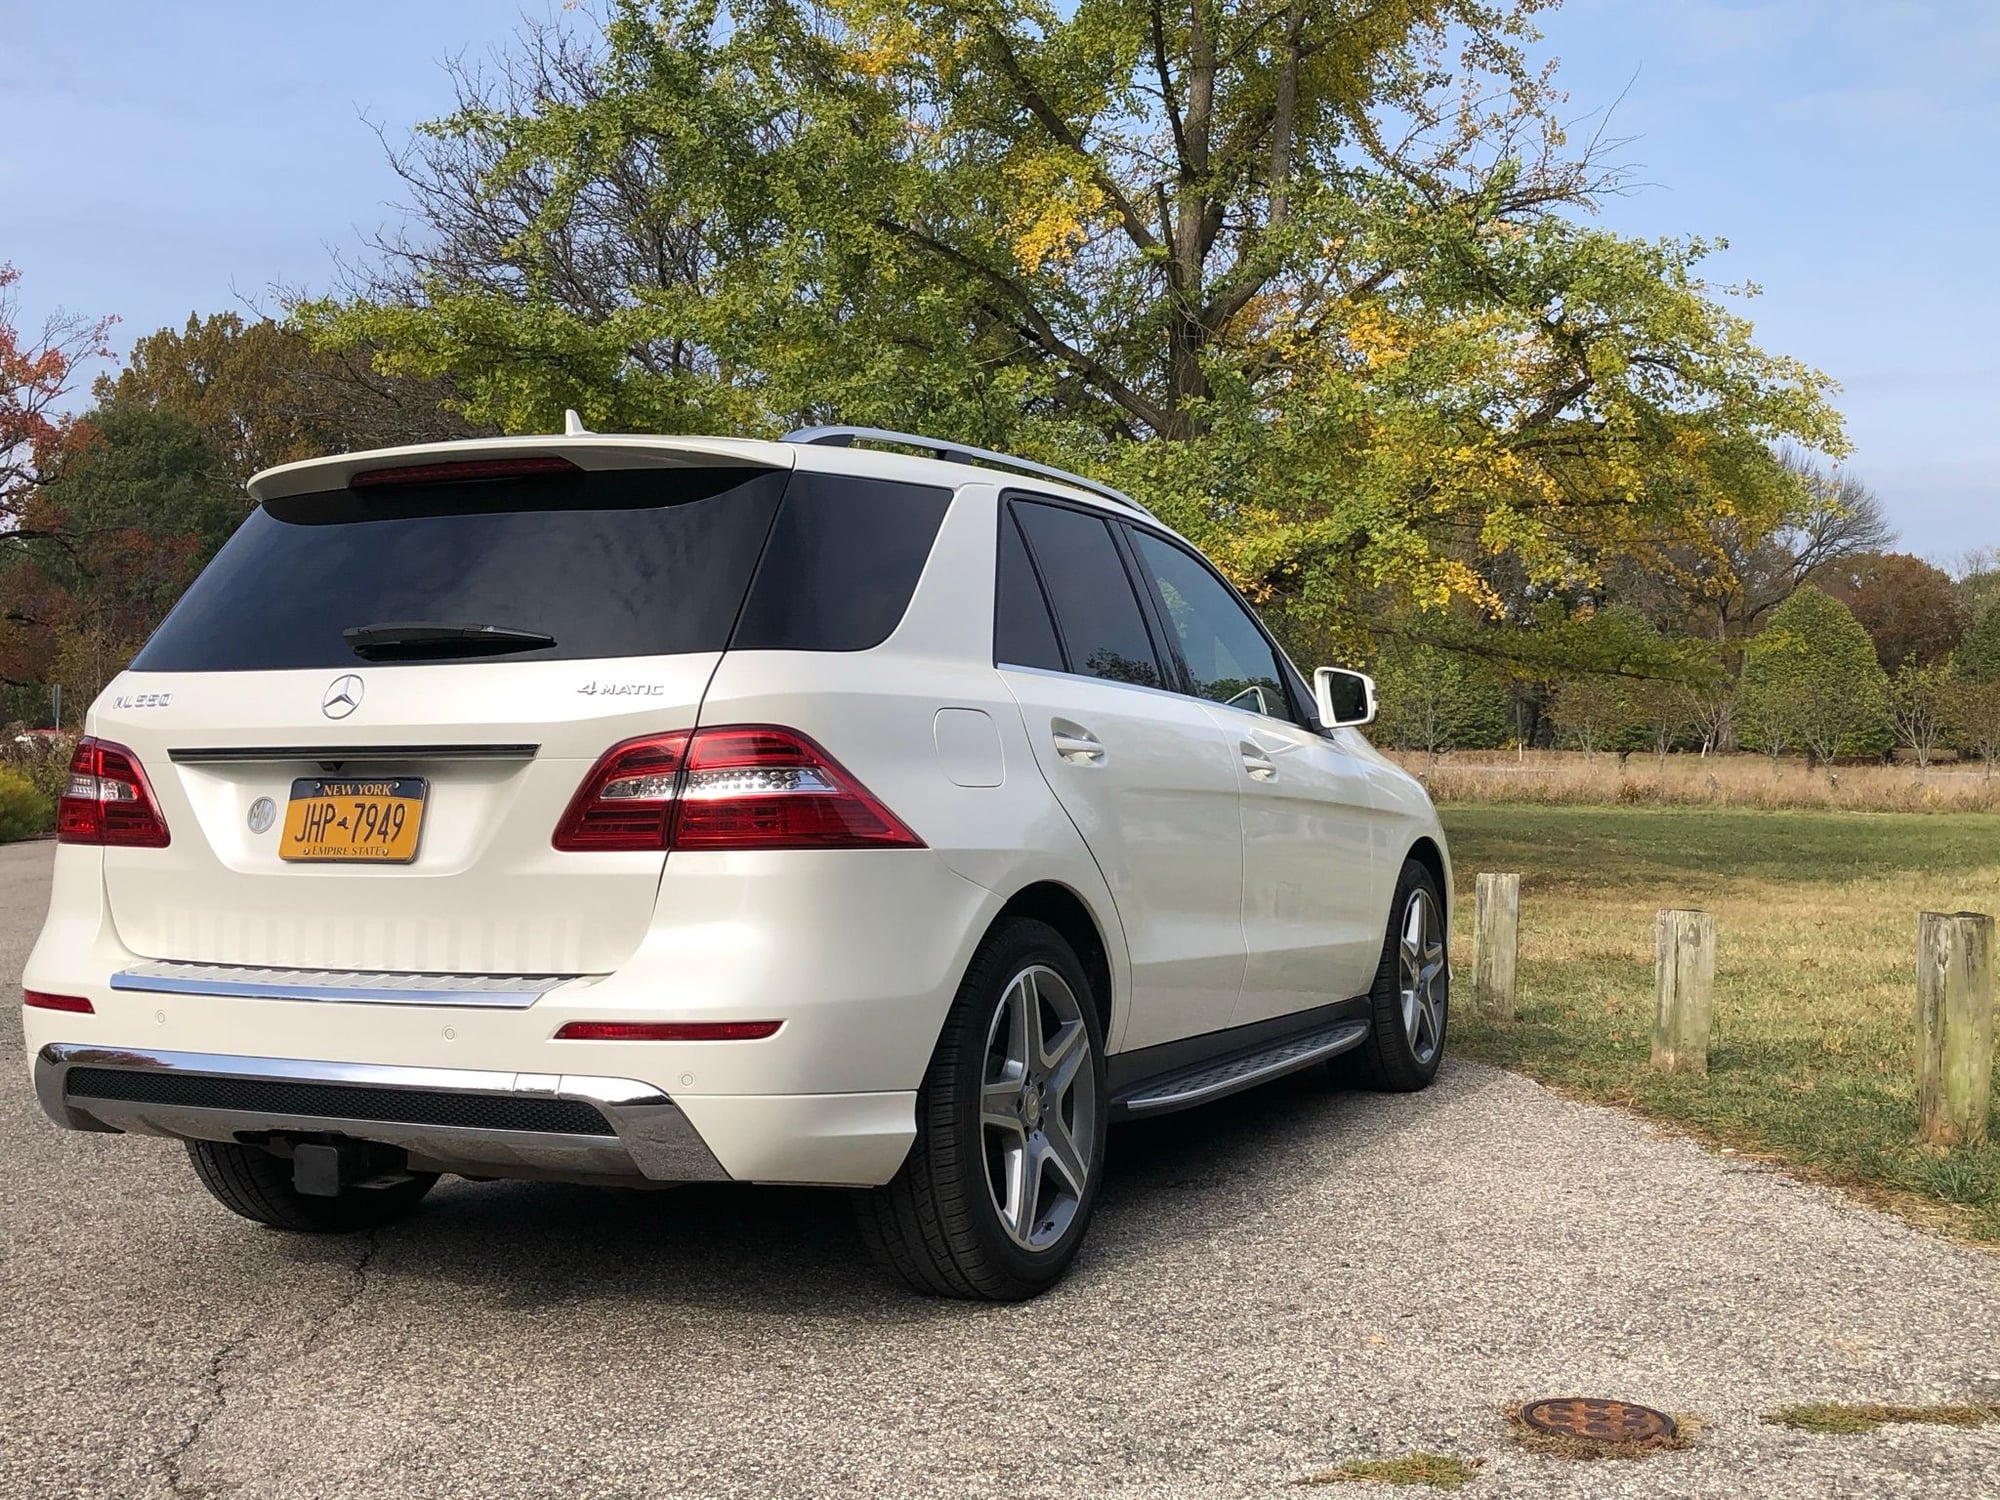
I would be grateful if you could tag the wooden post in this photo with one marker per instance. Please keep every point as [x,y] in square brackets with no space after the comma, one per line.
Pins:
[1955,1026]
[1684,976]
[1496,932]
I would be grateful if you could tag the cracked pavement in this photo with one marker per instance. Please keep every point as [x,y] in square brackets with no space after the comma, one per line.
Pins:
[1288,1280]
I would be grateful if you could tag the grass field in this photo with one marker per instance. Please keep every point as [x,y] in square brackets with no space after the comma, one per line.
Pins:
[1813,1053]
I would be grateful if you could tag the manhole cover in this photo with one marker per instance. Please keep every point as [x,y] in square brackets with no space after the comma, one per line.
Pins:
[1597,1421]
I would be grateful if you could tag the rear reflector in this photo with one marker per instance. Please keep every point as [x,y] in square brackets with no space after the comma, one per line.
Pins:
[108,800]
[461,472]
[37,1000]
[738,786]
[667,1031]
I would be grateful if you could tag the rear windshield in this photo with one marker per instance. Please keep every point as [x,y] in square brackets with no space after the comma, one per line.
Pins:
[629,562]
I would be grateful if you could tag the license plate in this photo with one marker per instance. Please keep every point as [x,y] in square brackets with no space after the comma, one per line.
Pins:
[374,822]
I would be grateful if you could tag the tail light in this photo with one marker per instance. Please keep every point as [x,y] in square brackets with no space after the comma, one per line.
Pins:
[627,800]
[108,800]
[740,786]
[39,1000]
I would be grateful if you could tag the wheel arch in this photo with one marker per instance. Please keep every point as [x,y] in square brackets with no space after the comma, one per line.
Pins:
[1063,909]
[1426,852]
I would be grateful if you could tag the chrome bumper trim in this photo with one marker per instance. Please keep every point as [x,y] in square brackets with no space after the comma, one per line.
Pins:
[654,1140]
[339,986]
[224,754]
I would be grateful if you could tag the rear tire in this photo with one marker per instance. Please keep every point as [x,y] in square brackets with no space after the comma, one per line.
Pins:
[250,1181]
[1410,1002]
[1010,1114]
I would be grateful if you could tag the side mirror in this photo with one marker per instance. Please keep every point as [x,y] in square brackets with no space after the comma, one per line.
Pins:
[1346,699]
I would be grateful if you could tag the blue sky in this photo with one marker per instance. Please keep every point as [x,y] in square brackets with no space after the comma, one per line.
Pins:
[184,158]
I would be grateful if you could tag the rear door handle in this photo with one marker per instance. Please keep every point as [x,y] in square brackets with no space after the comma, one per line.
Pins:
[1259,765]
[1076,744]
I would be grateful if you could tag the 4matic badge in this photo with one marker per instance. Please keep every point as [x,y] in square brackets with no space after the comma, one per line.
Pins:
[623,689]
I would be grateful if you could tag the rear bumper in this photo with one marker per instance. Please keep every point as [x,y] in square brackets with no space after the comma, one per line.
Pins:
[567,1126]
[858,954]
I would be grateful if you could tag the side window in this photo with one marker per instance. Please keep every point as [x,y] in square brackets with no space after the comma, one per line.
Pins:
[1226,654]
[1102,629]
[842,562]
[1023,633]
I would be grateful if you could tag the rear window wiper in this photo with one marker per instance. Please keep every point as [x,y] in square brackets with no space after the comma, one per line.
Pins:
[424,640]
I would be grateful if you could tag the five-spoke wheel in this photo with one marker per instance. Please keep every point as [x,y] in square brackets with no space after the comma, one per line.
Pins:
[1037,1107]
[1421,972]
[995,1195]
[1409,1006]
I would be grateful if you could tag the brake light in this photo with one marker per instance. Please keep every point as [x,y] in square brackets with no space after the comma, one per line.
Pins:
[108,800]
[740,786]
[461,471]
[38,1000]
[667,1031]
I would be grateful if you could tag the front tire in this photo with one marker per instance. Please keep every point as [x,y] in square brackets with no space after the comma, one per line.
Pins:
[250,1181]
[996,1193]
[1410,1002]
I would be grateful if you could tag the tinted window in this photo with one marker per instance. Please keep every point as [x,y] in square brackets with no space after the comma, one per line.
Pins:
[1226,654]
[843,561]
[1023,633]
[1102,629]
[630,562]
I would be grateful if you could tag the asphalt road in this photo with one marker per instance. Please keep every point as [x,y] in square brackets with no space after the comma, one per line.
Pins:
[1288,1280]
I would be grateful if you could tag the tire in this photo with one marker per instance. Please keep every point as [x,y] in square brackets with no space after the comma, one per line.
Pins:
[1391,1060]
[940,1223]
[250,1181]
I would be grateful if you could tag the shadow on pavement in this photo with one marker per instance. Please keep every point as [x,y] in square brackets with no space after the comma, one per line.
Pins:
[795,1250]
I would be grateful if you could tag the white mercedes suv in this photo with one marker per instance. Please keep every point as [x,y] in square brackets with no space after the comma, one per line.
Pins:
[644,810]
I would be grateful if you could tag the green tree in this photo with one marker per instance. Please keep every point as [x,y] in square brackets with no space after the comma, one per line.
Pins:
[1978,656]
[1974,711]
[1810,678]
[1594,712]
[1438,701]
[1920,707]
[1300,275]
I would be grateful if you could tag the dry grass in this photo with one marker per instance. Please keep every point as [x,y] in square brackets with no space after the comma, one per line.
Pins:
[1567,778]
[1813,1055]
[1848,1418]
[1438,1470]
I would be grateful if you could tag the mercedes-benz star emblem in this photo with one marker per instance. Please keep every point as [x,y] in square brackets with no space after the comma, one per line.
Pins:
[343,697]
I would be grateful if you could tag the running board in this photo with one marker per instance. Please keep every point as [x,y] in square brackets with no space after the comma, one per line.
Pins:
[1212,1080]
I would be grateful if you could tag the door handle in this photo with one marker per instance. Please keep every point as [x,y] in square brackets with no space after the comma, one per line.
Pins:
[1257,764]
[1076,744]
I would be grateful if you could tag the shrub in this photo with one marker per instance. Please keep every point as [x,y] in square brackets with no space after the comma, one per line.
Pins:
[24,811]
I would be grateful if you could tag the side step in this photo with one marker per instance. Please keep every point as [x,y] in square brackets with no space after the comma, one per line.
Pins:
[1212,1080]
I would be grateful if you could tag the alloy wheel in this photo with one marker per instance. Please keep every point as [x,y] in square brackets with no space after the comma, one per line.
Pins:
[1037,1107]
[1423,983]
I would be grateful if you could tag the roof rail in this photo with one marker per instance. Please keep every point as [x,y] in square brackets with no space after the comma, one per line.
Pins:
[959,453]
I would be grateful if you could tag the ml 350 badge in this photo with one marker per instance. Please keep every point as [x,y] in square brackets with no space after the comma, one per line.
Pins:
[369,821]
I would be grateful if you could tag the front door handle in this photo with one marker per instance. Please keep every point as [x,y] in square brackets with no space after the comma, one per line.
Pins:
[1259,765]
[1076,744]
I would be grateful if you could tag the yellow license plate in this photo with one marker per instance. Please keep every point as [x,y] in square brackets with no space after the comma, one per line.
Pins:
[371,821]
